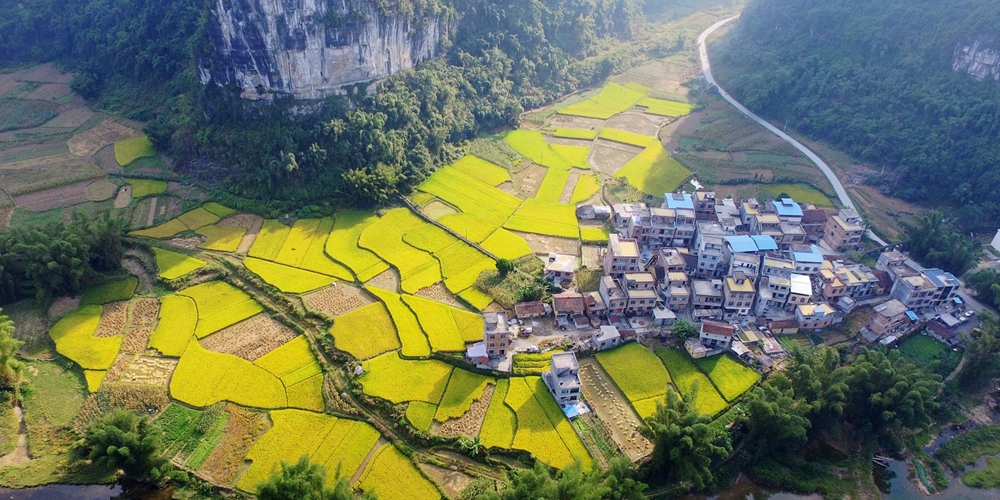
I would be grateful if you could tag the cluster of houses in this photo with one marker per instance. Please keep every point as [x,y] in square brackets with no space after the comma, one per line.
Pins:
[743,271]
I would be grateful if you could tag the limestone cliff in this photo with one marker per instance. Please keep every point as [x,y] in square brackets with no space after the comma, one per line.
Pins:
[979,58]
[312,48]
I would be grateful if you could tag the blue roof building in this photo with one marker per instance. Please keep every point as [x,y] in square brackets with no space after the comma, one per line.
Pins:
[678,200]
[941,278]
[786,207]
[742,244]
[764,243]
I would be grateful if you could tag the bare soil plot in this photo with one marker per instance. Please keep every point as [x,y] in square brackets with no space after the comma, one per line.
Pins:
[124,196]
[140,215]
[253,229]
[62,306]
[71,118]
[105,158]
[113,320]
[136,340]
[634,122]
[437,209]
[539,243]
[564,141]
[567,121]
[44,73]
[567,194]
[440,293]
[337,299]
[50,92]
[39,158]
[251,338]
[60,197]
[613,410]
[243,428]
[451,482]
[28,179]
[528,179]
[143,312]
[609,157]
[386,280]
[468,424]
[167,207]
[107,132]
[31,328]
[591,256]
[101,190]
[189,242]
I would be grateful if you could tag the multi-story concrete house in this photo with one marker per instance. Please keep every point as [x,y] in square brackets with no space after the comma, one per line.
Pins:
[708,294]
[927,290]
[563,379]
[640,288]
[716,334]
[728,215]
[671,260]
[496,334]
[888,317]
[814,223]
[814,315]
[747,263]
[791,234]
[748,210]
[708,243]
[675,292]
[799,290]
[807,261]
[839,280]
[772,294]
[786,208]
[622,256]
[844,230]
[614,297]
[704,204]
[739,294]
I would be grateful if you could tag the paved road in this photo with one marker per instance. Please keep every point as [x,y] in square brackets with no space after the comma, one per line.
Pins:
[706,67]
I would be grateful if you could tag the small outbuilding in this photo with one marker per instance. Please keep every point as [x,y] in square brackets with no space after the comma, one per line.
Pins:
[607,338]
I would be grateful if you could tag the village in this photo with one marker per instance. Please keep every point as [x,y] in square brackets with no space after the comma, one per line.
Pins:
[713,276]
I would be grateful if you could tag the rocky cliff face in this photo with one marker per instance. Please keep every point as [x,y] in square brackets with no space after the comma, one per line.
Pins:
[979,58]
[312,48]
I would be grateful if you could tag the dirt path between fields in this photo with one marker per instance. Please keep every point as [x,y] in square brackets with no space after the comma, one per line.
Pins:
[20,453]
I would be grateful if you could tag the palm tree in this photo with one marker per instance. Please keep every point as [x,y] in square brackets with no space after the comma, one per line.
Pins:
[474,447]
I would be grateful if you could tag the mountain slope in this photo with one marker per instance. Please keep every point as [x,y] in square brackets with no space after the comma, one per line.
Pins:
[877,80]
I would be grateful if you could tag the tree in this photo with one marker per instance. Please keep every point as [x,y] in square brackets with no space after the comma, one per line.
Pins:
[474,447]
[775,420]
[305,481]
[539,483]
[683,329]
[125,441]
[982,355]
[986,283]
[504,266]
[11,370]
[684,442]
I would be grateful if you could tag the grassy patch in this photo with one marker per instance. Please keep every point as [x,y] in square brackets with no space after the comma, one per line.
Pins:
[74,338]
[411,336]
[398,380]
[988,478]
[18,114]
[111,291]
[130,150]
[731,377]
[654,171]
[464,388]
[178,320]
[392,476]
[501,422]
[145,187]
[221,238]
[220,305]
[269,240]
[691,383]
[173,265]
[965,449]
[342,244]
[287,279]
[482,170]
[365,332]
[927,352]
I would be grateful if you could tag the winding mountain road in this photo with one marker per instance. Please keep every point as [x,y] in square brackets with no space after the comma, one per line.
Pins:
[706,68]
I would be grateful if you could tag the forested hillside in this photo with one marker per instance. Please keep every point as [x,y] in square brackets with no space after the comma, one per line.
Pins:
[140,58]
[875,78]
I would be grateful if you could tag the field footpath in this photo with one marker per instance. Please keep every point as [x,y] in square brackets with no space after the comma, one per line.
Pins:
[706,68]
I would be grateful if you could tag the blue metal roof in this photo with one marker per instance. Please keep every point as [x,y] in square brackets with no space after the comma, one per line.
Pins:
[786,207]
[679,200]
[941,278]
[764,242]
[741,244]
[958,300]
[912,315]
[809,257]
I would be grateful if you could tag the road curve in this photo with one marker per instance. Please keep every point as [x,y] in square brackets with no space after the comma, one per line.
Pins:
[706,68]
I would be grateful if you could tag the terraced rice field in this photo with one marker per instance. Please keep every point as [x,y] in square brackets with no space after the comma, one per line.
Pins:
[391,476]
[545,218]
[663,107]
[130,150]
[468,226]
[337,444]
[110,291]
[285,278]
[654,171]
[586,186]
[173,265]
[624,137]
[575,133]
[692,383]
[476,167]
[417,268]
[506,245]
[500,424]
[145,187]
[221,238]
[472,196]
[464,387]
[421,415]
[74,338]
[411,336]
[730,377]
[220,305]
[342,245]
[542,429]
[365,332]
[552,186]
[177,323]
[532,145]
[399,380]
[612,100]
[638,374]
[269,240]
[203,378]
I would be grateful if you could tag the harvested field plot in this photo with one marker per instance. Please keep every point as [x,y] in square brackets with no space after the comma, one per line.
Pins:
[342,245]
[335,300]
[731,377]
[614,410]
[654,171]
[692,383]
[270,240]
[398,380]
[506,245]
[287,279]
[149,371]
[532,145]
[542,429]
[130,150]
[392,476]
[243,428]
[58,197]
[483,170]
[612,100]
[501,422]
[636,372]
[440,293]
[609,157]
[143,312]
[111,291]
[100,190]
[107,132]
[136,339]
[203,378]
[113,319]
[635,123]
[250,339]
[545,218]
[464,388]
[71,119]
[145,187]
[173,265]
[220,305]
[338,444]
[366,332]
[74,338]
[176,327]
[471,422]
[20,114]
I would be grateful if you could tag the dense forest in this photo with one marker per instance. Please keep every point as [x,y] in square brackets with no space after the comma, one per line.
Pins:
[875,79]
[140,58]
